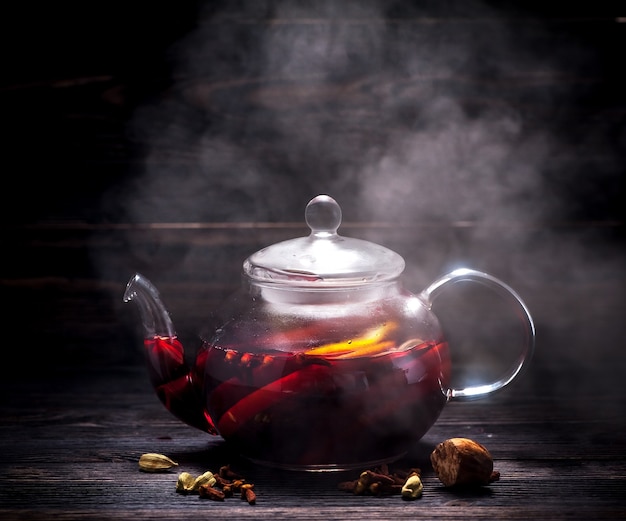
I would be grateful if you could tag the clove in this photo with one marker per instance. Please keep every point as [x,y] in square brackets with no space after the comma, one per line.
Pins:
[378,482]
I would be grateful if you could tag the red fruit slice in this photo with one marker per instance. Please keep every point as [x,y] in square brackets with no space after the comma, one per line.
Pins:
[260,400]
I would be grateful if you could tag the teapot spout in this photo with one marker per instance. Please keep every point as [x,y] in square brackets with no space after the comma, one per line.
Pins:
[178,386]
[154,317]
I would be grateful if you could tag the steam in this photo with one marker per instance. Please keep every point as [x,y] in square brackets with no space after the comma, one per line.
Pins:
[388,115]
[274,103]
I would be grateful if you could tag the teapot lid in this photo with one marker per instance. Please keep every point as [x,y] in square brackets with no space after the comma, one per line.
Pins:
[323,258]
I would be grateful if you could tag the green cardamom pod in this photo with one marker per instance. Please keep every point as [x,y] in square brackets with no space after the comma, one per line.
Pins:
[152,462]
[204,479]
[185,483]
[412,488]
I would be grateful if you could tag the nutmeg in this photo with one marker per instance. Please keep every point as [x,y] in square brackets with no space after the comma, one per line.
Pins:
[461,461]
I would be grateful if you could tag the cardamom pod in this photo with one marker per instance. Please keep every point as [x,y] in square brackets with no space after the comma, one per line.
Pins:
[204,479]
[185,483]
[152,462]
[412,488]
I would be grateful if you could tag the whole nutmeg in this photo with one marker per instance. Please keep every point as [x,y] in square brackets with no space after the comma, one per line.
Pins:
[462,461]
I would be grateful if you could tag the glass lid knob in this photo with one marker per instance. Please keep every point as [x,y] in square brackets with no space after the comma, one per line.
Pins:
[323,216]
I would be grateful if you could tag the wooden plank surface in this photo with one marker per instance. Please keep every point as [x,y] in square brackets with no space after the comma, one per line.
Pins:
[72,442]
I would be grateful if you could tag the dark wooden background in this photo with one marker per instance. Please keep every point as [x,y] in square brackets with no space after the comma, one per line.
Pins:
[175,140]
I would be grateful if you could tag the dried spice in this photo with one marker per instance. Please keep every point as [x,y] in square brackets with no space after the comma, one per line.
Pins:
[248,494]
[463,462]
[153,462]
[188,484]
[412,488]
[378,482]
[185,482]
[216,486]
[206,491]
[208,478]
[226,472]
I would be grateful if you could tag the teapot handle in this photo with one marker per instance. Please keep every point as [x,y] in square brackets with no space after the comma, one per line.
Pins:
[464,274]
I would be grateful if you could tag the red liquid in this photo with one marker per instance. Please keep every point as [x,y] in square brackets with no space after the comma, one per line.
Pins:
[303,411]
[178,387]
[295,410]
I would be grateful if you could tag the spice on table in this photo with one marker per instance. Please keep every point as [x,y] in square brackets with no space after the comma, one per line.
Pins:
[185,482]
[227,473]
[215,486]
[412,488]
[207,478]
[207,491]
[463,462]
[248,494]
[153,462]
[378,482]
[375,483]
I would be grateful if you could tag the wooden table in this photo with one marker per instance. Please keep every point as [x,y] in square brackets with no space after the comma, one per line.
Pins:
[71,441]
[92,144]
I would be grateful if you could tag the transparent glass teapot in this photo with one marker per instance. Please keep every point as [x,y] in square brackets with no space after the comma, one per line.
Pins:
[324,361]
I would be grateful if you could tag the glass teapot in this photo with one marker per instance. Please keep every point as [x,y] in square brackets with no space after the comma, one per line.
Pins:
[324,360]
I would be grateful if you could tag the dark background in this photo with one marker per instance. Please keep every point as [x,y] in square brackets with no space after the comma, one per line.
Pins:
[89,91]
[137,135]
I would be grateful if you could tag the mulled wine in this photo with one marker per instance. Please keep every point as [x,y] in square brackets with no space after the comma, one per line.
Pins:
[329,406]
[298,410]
